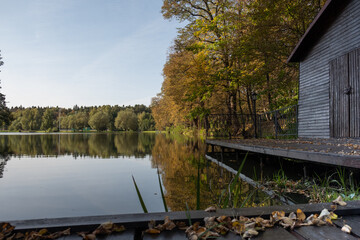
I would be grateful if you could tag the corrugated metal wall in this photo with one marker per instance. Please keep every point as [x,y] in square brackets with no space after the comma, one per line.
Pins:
[314,98]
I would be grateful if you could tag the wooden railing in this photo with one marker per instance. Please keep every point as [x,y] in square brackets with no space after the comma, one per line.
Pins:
[281,123]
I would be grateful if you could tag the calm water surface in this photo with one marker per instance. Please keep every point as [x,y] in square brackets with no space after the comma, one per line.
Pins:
[64,175]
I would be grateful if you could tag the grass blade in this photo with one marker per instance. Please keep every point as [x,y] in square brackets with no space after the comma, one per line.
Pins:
[235,186]
[139,196]
[162,193]
[198,188]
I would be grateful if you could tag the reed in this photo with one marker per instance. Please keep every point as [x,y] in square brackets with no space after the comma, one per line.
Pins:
[162,192]
[139,196]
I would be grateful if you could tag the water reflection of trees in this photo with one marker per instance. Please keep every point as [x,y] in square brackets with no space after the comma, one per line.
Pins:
[179,162]
[77,145]
[4,155]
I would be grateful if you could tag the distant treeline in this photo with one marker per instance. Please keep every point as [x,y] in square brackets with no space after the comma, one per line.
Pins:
[50,119]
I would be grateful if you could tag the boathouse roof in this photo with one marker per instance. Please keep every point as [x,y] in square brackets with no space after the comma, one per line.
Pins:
[327,15]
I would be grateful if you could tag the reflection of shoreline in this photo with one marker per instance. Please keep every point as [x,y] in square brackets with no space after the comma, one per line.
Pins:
[102,145]
[3,160]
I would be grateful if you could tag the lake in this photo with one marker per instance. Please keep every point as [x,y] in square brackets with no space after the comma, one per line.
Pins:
[87,174]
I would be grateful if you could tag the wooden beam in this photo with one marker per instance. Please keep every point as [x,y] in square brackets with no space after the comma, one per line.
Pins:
[326,158]
[141,220]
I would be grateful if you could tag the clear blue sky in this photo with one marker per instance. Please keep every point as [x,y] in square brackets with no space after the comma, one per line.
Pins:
[84,52]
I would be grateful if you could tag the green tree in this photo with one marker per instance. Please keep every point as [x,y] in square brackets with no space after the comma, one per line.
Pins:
[146,122]
[48,120]
[99,120]
[81,120]
[126,120]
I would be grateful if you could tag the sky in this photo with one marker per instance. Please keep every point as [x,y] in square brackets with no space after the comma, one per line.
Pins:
[83,52]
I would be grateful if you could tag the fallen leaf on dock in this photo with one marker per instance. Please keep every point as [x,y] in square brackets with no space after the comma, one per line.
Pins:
[211,209]
[86,236]
[300,215]
[346,228]
[339,201]
[325,214]
[105,228]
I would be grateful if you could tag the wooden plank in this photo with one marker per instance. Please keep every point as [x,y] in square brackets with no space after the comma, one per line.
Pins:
[170,235]
[327,158]
[323,232]
[277,233]
[141,220]
[269,234]
[127,235]
[352,221]
[354,83]
[332,96]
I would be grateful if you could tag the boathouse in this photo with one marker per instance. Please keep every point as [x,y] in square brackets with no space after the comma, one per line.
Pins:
[329,83]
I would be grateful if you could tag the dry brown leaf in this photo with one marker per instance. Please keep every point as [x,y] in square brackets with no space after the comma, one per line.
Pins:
[287,220]
[152,231]
[181,225]
[42,232]
[151,224]
[6,229]
[250,225]
[168,224]
[118,229]
[209,234]
[250,233]
[101,231]
[328,220]
[277,215]
[346,228]
[339,201]
[318,222]
[56,235]
[200,230]
[195,226]
[222,219]
[19,235]
[292,216]
[211,209]
[210,222]
[324,214]
[333,216]
[300,215]
[86,236]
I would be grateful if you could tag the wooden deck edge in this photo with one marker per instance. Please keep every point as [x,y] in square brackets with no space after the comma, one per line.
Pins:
[141,220]
[326,158]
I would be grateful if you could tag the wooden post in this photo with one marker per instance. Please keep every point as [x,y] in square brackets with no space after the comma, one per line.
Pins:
[276,125]
[259,123]
[222,154]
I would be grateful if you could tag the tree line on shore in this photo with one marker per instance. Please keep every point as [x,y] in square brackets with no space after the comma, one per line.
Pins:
[230,56]
[100,118]
[52,119]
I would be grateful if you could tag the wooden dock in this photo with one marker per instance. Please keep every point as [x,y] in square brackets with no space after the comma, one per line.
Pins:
[137,223]
[339,152]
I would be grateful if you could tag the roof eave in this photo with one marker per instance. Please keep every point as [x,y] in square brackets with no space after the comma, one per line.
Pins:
[322,21]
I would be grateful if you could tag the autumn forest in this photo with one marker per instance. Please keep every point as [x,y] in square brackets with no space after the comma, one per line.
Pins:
[228,51]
